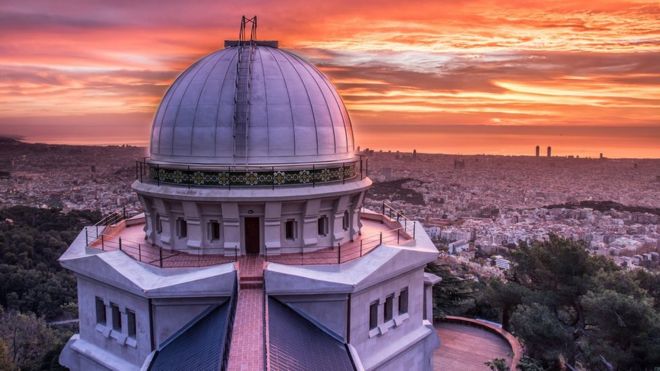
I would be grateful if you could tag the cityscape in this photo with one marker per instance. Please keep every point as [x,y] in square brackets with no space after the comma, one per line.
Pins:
[474,207]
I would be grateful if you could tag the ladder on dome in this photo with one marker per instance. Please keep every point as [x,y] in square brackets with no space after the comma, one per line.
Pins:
[246,50]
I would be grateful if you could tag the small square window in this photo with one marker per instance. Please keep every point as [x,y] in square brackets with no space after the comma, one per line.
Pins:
[116,317]
[214,230]
[132,325]
[182,228]
[100,312]
[403,301]
[387,308]
[373,315]
[290,229]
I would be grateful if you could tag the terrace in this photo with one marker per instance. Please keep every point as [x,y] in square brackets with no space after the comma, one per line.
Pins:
[116,232]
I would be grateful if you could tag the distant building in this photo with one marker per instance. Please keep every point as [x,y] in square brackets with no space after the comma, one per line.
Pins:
[549,154]
[538,151]
[501,263]
[459,246]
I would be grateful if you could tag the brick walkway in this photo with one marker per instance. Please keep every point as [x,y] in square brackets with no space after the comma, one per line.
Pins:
[246,352]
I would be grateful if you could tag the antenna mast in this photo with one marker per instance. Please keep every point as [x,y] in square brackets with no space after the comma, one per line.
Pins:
[253,30]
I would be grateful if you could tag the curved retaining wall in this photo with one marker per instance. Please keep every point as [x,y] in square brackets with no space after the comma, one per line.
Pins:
[514,344]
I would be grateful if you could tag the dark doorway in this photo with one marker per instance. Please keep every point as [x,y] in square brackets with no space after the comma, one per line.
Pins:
[252,236]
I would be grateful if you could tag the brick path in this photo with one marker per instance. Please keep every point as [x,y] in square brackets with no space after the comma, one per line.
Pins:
[246,352]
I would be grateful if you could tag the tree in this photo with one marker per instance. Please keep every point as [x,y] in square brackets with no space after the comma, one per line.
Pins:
[27,337]
[32,279]
[505,296]
[5,362]
[543,335]
[452,295]
[529,364]
[497,364]
[622,330]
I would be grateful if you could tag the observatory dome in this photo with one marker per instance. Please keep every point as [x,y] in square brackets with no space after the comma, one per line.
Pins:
[251,106]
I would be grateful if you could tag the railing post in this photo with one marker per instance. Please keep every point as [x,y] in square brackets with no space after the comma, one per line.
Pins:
[102,243]
[414,230]
[381,239]
[119,243]
[160,253]
[397,235]
[361,168]
[360,247]
[86,238]
[97,231]
[139,252]
[338,253]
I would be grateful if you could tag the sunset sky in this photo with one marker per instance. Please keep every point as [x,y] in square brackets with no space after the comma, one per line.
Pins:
[439,76]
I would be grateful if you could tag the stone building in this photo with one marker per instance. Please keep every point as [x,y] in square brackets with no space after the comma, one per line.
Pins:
[254,249]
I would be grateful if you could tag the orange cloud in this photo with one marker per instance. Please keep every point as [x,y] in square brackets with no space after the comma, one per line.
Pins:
[515,63]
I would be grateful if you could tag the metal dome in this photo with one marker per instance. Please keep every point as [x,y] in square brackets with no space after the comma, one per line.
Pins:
[294,114]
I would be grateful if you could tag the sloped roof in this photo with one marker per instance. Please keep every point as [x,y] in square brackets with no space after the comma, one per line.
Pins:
[297,344]
[199,346]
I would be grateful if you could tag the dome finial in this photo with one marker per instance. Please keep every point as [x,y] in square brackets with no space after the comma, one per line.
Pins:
[253,30]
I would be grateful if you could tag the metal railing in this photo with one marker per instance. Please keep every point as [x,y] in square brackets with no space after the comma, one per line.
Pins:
[225,176]
[342,253]
[103,236]
[407,224]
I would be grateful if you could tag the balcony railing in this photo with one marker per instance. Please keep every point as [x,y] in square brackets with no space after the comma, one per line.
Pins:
[250,176]
[106,235]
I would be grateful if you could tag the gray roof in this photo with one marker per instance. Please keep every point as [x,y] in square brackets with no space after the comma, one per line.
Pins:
[295,114]
[296,344]
[198,346]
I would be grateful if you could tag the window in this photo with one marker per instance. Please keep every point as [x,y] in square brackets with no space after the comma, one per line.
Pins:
[100,312]
[345,223]
[323,226]
[290,229]
[181,228]
[403,301]
[159,224]
[373,315]
[387,309]
[116,317]
[132,326]
[214,230]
